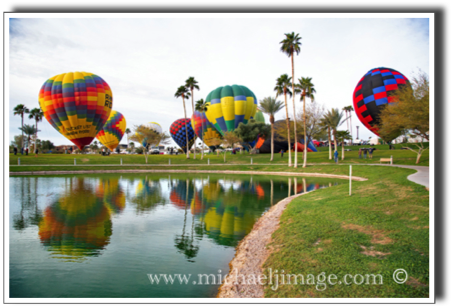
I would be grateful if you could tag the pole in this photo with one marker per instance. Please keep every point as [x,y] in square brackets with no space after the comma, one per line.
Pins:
[350,180]
[208,161]
[121,161]
[391,159]
[18,161]
[169,161]
[75,161]
[251,160]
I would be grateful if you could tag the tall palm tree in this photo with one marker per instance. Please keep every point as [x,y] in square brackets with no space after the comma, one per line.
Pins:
[306,87]
[37,115]
[200,106]
[192,84]
[335,119]
[282,87]
[21,109]
[290,45]
[184,93]
[270,106]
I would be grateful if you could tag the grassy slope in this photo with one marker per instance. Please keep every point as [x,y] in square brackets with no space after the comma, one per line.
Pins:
[386,217]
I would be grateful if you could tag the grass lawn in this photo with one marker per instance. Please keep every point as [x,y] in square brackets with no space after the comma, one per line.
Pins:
[382,227]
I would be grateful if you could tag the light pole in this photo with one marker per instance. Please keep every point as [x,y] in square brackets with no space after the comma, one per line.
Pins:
[357,132]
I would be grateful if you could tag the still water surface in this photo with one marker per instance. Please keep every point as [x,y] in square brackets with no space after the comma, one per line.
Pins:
[100,236]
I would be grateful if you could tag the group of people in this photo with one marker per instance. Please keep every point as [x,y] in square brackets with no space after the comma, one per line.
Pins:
[365,151]
[24,150]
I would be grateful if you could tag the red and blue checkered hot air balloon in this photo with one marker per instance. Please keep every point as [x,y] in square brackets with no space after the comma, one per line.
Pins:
[178,133]
[374,92]
[113,131]
[77,104]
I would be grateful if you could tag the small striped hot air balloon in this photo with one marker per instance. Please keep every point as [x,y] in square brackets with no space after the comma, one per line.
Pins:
[113,131]
[77,104]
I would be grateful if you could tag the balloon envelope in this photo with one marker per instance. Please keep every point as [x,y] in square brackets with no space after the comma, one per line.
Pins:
[77,104]
[113,131]
[204,129]
[229,106]
[178,133]
[374,92]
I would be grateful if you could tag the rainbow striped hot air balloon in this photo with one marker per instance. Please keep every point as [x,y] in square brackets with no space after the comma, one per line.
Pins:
[113,131]
[204,129]
[229,106]
[77,104]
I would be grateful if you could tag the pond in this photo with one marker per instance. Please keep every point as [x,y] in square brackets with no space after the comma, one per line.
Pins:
[106,235]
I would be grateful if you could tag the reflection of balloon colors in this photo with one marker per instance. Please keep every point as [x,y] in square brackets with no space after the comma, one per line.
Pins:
[229,106]
[76,226]
[77,104]
[112,194]
[178,133]
[204,129]
[113,131]
[374,92]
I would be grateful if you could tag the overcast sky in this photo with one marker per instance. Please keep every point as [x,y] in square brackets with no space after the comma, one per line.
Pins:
[145,60]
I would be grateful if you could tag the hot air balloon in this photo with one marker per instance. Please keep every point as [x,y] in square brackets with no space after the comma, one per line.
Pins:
[229,106]
[374,92]
[113,131]
[178,133]
[77,104]
[157,128]
[259,117]
[204,129]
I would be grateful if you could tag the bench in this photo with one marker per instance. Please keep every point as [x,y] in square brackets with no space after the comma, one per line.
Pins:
[386,160]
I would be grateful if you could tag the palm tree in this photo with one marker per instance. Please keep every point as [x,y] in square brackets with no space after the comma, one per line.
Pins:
[335,118]
[326,124]
[37,115]
[184,93]
[347,110]
[270,106]
[192,84]
[21,109]
[200,106]
[283,88]
[127,131]
[342,136]
[29,130]
[306,87]
[290,45]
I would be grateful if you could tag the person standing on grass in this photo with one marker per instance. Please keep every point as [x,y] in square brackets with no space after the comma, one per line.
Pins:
[360,153]
[27,151]
[36,152]
[370,151]
[15,150]
[282,153]
[336,156]
[365,153]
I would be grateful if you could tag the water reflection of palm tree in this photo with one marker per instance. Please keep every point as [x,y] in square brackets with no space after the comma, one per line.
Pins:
[148,195]
[184,243]
[30,214]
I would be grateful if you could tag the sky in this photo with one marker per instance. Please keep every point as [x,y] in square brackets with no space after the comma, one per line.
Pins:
[144,60]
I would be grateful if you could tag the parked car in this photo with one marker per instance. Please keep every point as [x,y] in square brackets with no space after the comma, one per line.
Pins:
[155,152]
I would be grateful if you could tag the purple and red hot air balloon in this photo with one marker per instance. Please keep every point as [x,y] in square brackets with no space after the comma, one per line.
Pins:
[374,92]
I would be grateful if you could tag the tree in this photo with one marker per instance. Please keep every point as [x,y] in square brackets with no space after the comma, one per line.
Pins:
[151,136]
[192,84]
[306,87]
[410,111]
[270,106]
[21,109]
[184,93]
[290,45]
[342,136]
[29,131]
[229,139]
[17,141]
[37,115]
[325,123]
[200,106]
[47,145]
[347,110]
[282,87]
[127,131]
[249,132]
[333,119]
